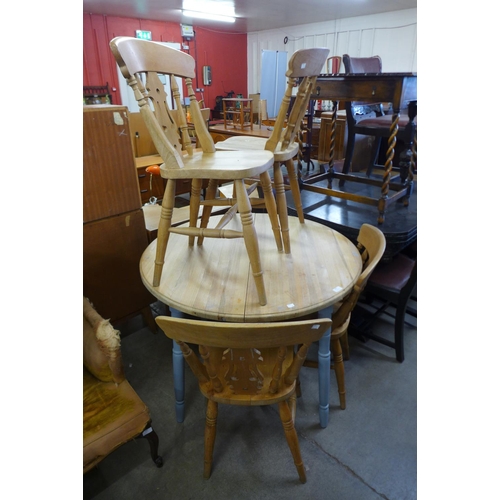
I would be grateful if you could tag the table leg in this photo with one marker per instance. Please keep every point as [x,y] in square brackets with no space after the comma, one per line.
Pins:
[178,372]
[324,360]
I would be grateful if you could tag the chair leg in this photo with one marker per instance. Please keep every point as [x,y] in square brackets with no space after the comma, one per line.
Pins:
[272,211]
[250,237]
[153,441]
[279,186]
[399,325]
[349,151]
[294,186]
[338,366]
[207,209]
[194,205]
[164,224]
[344,342]
[375,153]
[210,431]
[292,438]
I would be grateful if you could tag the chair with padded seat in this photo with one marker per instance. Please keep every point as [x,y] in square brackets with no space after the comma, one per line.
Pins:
[304,64]
[392,285]
[248,364]
[165,119]
[113,413]
[371,245]
[369,119]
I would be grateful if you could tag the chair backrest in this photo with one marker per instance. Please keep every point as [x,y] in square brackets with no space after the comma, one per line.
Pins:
[371,245]
[242,360]
[163,114]
[356,65]
[360,65]
[307,65]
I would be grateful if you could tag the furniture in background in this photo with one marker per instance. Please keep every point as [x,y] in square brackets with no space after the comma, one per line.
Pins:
[369,119]
[304,64]
[320,272]
[398,88]
[251,364]
[114,233]
[136,56]
[324,136]
[113,413]
[391,285]
[371,246]
[237,112]
[97,94]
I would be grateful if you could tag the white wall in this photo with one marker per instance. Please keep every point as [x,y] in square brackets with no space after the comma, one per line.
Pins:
[392,36]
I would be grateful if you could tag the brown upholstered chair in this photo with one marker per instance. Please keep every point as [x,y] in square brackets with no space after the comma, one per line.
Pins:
[369,119]
[113,413]
[248,364]
[392,285]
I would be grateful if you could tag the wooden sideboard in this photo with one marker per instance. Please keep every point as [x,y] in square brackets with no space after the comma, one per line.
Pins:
[114,231]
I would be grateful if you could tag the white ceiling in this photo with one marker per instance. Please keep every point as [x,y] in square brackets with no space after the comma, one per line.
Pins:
[252,15]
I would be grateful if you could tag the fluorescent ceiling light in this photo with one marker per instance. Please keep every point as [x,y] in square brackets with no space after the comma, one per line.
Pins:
[204,15]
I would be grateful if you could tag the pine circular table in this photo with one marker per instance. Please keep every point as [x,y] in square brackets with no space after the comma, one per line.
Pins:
[214,281]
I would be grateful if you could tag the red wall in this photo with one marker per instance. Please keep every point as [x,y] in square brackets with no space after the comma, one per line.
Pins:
[225,53]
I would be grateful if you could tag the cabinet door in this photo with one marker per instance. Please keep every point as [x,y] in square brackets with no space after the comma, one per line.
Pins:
[110,185]
[112,249]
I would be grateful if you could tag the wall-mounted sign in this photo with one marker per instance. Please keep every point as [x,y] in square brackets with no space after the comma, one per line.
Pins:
[144,35]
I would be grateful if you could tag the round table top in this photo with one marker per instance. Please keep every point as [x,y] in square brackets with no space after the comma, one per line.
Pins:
[214,281]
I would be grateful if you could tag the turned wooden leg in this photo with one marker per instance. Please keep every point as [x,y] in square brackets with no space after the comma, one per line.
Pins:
[279,187]
[294,186]
[272,211]
[194,205]
[338,366]
[210,431]
[292,439]
[344,342]
[250,237]
[164,224]
[207,209]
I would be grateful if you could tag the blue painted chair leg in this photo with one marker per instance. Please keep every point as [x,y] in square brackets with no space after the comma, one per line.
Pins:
[178,372]
[324,358]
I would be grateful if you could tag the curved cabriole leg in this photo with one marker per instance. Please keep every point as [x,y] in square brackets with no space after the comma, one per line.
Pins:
[250,237]
[153,441]
[292,439]
[210,431]
[279,186]
[294,186]
[167,208]
[271,209]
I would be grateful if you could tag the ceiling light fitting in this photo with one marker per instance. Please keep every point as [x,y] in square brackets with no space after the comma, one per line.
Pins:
[211,17]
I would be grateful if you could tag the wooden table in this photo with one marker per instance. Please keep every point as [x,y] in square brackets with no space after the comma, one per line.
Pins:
[398,88]
[214,282]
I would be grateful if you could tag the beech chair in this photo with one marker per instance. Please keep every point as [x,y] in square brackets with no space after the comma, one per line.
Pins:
[369,119]
[305,64]
[113,413]
[371,245]
[392,284]
[249,364]
[166,122]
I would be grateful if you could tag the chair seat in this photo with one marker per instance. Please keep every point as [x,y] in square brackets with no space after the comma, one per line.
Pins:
[384,122]
[257,144]
[112,415]
[393,275]
[228,165]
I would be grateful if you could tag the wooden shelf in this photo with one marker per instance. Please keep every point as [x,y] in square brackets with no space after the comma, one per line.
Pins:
[237,112]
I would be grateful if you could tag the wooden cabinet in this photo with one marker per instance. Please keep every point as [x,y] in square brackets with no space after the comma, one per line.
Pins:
[114,231]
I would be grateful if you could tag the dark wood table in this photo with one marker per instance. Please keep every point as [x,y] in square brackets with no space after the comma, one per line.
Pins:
[398,88]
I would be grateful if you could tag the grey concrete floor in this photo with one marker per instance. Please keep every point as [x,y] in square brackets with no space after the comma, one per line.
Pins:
[368,451]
